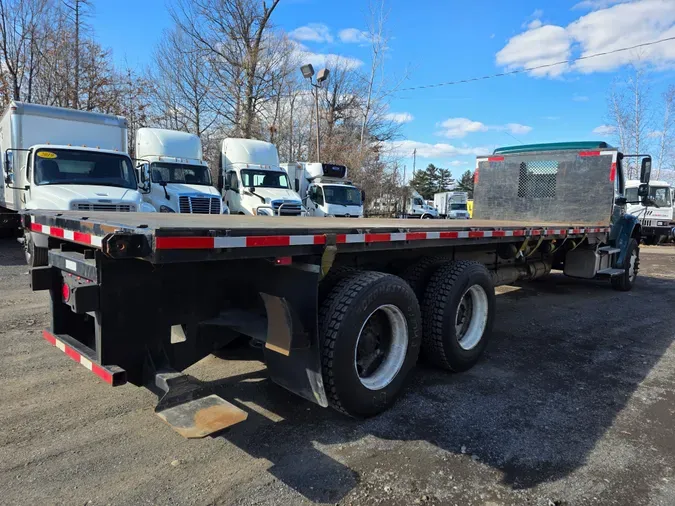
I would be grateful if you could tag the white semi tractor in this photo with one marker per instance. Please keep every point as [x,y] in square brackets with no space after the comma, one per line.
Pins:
[656,217]
[174,176]
[252,181]
[325,189]
[66,160]
[452,205]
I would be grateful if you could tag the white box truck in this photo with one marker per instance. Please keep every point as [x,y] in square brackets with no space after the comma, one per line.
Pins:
[657,217]
[325,189]
[416,207]
[175,177]
[63,159]
[452,205]
[253,183]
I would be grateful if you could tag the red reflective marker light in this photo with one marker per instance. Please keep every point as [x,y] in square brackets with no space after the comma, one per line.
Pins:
[65,292]
[283,261]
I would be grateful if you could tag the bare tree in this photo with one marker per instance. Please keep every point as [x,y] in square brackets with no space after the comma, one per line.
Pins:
[233,31]
[18,28]
[665,135]
[79,11]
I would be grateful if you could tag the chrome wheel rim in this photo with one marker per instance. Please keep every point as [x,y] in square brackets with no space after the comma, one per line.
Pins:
[381,347]
[471,317]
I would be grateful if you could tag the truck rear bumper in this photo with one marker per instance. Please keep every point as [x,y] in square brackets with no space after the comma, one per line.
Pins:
[111,374]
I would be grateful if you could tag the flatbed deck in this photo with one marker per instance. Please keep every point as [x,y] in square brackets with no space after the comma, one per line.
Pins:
[184,237]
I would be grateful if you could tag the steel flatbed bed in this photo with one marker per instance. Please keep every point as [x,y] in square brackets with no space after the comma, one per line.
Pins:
[180,237]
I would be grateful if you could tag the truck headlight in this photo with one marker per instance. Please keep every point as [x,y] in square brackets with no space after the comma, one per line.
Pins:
[661,223]
[166,209]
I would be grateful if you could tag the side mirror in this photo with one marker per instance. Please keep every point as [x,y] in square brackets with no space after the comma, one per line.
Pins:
[363,196]
[297,186]
[220,183]
[9,162]
[621,201]
[643,190]
[646,170]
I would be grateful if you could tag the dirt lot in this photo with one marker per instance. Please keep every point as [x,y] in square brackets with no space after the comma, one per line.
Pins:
[572,404]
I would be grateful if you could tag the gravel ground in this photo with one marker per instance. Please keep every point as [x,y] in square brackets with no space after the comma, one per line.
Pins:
[572,404]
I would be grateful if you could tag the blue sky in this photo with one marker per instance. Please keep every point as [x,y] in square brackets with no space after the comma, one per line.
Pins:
[439,41]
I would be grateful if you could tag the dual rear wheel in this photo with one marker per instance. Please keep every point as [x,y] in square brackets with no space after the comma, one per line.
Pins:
[372,329]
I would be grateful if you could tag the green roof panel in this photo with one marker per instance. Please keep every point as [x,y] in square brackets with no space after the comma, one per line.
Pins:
[553,146]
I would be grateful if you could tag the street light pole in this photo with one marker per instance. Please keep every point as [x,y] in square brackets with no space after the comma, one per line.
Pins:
[308,73]
[318,135]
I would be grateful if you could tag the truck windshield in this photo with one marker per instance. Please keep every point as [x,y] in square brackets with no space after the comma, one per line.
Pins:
[263,179]
[66,166]
[458,207]
[662,195]
[180,173]
[343,195]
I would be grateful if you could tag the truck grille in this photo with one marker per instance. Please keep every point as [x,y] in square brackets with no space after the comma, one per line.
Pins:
[289,208]
[124,208]
[199,205]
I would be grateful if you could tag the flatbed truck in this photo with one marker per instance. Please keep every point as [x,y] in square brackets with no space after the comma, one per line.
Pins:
[342,308]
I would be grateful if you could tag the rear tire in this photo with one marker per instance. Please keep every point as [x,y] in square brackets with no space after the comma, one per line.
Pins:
[35,256]
[370,331]
[418,274]
[458,313]
[631,265]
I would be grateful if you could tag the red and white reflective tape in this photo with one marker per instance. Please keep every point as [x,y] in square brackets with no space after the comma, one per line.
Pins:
[68,235]
[99,371]
[186,242]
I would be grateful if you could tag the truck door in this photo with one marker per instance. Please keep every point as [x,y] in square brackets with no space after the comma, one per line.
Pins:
[232,195]
[314,200]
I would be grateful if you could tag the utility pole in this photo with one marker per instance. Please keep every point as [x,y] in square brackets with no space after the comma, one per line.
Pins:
[414,160]
[318,136]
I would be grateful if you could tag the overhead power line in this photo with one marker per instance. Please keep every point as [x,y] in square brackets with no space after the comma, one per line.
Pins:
[530,69]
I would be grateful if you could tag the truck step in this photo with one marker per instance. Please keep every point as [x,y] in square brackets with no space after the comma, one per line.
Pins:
[608,250]
[610,272]
[200,417]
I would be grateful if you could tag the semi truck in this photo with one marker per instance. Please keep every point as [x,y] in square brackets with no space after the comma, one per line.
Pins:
[325,189]
[656,213]
[341,308]
[452,205]
[63,159]
[252,181]
[174,176]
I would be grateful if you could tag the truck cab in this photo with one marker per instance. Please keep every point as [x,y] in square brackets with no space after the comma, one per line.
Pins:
[416,207]
[657,216]
[64,159]
[175,178]
[252,181]
[452,205]
[325,189]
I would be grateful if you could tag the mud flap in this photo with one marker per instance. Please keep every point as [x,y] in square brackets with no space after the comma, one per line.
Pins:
[292,351]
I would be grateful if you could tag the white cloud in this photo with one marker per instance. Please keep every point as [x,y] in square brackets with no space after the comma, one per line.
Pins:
[534,24]
[551,118]
[580,98]
[399,117]
[597,4]
[427,150]
[454,128]
[604,130]
[319,60]
[539,46]
[656,134]
[517,128]
[613,25]
[313,32]
[353,36]
[459,127]
[456,163]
